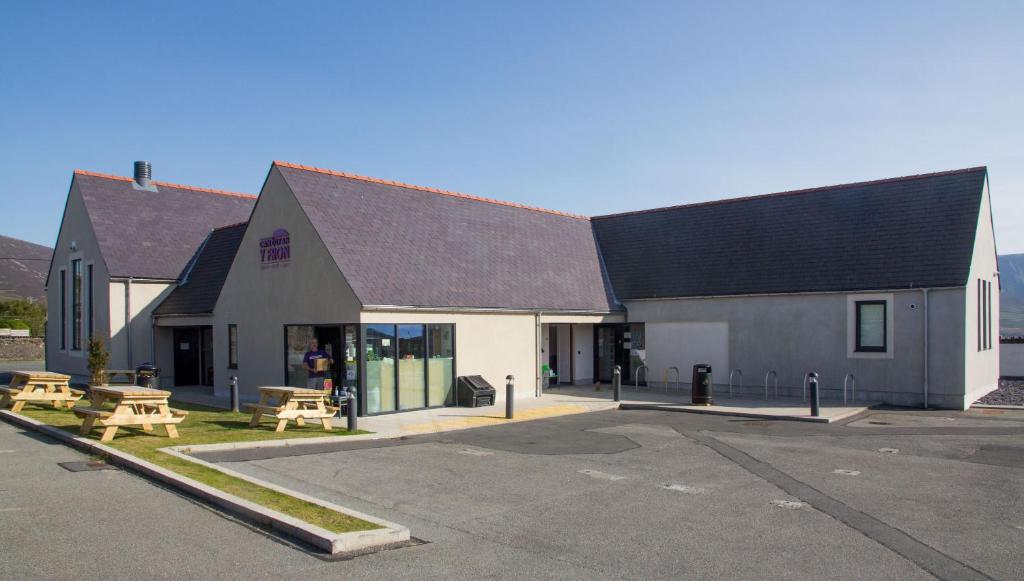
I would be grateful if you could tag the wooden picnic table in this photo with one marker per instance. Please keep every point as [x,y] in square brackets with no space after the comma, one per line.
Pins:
[133,406]
[292,403]
[129,376]
[39,386]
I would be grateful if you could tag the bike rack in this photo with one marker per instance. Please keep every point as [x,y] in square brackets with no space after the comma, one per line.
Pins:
[853,387]
[737,370]
[805,382]
[679,381]
[636,376]
[766,376]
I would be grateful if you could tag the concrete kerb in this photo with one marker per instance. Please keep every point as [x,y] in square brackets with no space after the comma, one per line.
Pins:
[992,406]
[701,410]
[338,544]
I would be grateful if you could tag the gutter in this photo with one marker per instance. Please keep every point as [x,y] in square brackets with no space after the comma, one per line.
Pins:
[797,293]
[510,310]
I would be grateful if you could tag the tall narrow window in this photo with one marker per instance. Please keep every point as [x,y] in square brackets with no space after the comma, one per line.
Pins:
[871,326]
[89,314]
[988,314]
[63,309]
[981,324]
[232,346]
[76,305]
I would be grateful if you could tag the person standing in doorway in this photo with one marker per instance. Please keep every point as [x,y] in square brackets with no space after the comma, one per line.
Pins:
[315,372]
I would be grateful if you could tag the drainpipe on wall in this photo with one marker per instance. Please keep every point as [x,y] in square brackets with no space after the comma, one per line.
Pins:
[538,390]
[128,320]
[924,306]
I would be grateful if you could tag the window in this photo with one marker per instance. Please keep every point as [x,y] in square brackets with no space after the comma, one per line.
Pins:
[76,304]
[985,329]
[440,364]
[63,310]
[871,326]
[89,315]
[232,346]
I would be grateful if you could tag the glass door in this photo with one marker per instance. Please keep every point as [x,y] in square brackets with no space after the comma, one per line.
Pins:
[604,352]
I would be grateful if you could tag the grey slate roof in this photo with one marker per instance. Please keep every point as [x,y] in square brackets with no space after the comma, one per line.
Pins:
[203,278]
[899,233]
[23,267]
[146,234]
[404,245]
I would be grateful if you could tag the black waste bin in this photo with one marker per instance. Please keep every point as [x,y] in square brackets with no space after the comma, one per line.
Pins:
[474,392]
[702,384]
[146,375]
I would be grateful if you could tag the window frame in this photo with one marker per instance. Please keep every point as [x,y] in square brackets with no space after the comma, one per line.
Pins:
[63,322]
[77,304]
[232,346]
[857,346]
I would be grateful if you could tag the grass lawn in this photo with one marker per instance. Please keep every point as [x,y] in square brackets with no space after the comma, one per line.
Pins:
[211,426]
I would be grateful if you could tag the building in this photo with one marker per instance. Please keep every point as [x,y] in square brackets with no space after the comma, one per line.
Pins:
[889,281]
[121,249]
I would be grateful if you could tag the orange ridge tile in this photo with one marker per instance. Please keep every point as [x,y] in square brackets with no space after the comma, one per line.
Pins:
[165,184]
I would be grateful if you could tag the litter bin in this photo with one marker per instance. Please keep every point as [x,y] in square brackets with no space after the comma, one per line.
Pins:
[474,391]
[146,375]
[702,384]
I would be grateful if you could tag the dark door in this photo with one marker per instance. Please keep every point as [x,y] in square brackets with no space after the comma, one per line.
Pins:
[610,350]
[207,365]
[553,354]
[187,354]
[329,339]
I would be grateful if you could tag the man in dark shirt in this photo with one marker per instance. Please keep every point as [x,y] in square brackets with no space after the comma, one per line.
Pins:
[315,379]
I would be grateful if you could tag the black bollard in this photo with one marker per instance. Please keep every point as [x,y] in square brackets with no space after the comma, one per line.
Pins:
[510,391]
[617,383]
[812,384]
[353,421]
[234,393]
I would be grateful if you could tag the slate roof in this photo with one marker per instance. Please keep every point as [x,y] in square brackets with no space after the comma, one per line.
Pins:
[23,267]
[404,245]
[203,278]
[910,232]
[146,234]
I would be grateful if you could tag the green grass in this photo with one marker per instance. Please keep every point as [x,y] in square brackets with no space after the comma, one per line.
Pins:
[210,426]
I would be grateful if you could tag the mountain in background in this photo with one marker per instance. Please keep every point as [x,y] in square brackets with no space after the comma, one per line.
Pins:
[23,267]
[1011,306]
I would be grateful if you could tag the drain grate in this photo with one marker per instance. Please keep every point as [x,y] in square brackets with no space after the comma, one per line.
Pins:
[876,423]
[87,466]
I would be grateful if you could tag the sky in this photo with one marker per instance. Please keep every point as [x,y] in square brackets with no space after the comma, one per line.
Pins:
[585,107]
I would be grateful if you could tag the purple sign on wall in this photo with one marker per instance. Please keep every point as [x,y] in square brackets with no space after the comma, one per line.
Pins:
[275,250]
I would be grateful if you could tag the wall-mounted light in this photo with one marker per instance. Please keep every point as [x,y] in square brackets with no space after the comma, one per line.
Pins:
[74,246]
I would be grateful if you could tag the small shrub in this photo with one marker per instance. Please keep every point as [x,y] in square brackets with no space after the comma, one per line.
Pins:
[98,360]
[16,324]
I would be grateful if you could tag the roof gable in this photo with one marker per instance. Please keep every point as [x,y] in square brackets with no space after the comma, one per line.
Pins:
[908,232]
[145,234]
[402,245]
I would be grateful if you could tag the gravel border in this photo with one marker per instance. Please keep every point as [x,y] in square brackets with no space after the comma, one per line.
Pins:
[1010,392]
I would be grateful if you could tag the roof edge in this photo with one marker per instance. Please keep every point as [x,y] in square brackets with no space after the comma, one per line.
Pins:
[796,192]
[166,184]
[429,189]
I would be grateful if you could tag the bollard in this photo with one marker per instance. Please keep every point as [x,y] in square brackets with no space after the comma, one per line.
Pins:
[812,384]
[510,391]
[234,393]
[353,422]
[617,383]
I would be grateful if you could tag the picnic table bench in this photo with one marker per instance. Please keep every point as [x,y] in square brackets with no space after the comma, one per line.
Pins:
[39,386]
[133,406]
[292,403]
[128,376]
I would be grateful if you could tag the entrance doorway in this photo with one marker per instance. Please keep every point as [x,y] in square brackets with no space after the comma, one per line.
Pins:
[193,355]
[619,344]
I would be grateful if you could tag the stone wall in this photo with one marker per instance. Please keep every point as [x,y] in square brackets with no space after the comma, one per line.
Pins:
[21,349]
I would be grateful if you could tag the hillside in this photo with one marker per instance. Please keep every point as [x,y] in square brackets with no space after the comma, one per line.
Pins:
[1011,277]
[23,267]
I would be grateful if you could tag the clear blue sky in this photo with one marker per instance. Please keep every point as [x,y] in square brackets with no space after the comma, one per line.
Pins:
[587,107]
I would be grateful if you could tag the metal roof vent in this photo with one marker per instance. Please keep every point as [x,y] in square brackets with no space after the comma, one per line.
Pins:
[143,176]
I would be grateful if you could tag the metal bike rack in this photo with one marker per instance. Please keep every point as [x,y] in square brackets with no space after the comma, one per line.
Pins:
[679,380]
[737,370]
[853,387]
[636,376]
[805,381]
[766,376]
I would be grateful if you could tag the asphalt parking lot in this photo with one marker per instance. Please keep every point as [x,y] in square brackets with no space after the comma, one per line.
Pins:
[619,494]
[634,494]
